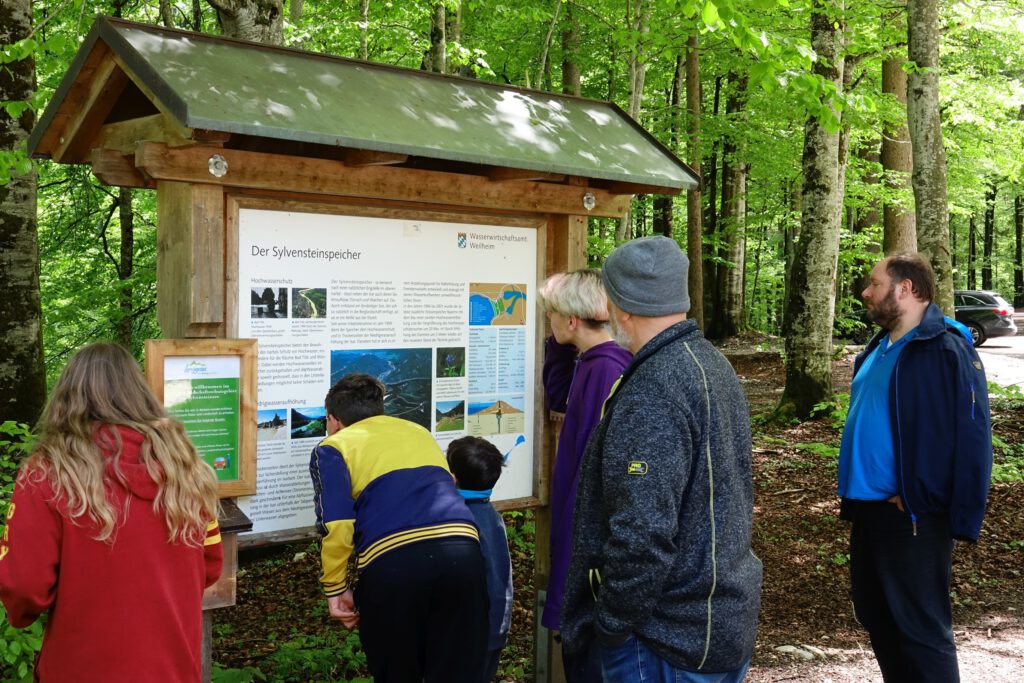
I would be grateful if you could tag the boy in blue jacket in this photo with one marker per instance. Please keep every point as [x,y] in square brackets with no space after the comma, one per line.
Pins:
[476,464]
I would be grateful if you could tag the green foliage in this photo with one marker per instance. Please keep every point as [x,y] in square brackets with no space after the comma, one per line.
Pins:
[1008,461]
[246,675]
[824,450]
[833,410]
[1009,397]
[327,657]
[18,647]
[520,528]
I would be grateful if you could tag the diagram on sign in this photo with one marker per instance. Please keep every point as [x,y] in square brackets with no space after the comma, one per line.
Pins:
[497,304]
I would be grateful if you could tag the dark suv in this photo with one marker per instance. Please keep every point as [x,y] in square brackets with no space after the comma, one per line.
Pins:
[986,314]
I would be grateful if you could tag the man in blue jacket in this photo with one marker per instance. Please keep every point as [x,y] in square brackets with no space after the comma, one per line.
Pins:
[914,470]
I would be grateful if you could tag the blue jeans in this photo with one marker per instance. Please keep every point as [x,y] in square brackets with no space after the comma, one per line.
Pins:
[634,662]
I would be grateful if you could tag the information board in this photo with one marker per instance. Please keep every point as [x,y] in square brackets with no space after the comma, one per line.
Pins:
[443,313]
[210,385]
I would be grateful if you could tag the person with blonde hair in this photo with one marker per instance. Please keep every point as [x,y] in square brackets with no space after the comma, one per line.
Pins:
[111,531]
[581,364]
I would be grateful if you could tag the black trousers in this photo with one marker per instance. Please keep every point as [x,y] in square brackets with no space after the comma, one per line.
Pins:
[900,588]
[423,613]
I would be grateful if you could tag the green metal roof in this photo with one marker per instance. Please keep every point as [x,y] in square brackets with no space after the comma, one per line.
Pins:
[251,89]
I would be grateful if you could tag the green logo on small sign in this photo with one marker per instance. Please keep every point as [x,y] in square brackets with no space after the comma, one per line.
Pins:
[637,467]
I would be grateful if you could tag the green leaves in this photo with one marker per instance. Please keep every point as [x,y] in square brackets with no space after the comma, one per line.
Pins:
[709,15]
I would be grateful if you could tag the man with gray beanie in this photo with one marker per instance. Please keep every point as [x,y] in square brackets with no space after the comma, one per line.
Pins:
[662,578]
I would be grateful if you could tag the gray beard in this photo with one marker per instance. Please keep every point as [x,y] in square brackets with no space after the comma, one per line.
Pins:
[620,336]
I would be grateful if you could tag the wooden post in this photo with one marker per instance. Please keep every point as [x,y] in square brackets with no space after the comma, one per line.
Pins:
[222,594]
[191,235]
[190,259]
[567,250]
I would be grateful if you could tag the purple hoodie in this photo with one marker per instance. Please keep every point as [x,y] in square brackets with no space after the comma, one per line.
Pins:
[579,386]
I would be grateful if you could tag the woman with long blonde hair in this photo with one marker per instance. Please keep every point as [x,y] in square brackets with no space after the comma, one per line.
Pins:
[111,531]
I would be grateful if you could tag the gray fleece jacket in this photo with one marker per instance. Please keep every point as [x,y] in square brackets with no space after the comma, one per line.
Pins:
[664,512]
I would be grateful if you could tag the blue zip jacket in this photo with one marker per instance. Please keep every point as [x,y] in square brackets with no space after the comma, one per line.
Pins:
[942,433]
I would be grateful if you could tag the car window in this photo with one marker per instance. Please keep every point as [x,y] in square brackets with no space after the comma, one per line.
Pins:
[973,301]
[958,300]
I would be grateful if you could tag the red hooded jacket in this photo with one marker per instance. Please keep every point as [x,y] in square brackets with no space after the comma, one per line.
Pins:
[129,610]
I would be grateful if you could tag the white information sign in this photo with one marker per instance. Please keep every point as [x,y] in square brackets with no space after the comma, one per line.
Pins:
[442,313]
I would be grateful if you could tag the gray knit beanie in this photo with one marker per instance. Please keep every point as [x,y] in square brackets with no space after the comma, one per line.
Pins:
[647,277]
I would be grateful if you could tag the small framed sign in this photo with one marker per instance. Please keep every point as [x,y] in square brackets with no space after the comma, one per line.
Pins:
[210,385]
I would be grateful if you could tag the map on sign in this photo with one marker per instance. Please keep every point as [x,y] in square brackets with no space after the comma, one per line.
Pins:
[497,304]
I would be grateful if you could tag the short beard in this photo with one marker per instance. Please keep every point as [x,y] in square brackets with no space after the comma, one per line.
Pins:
[886,312]
[620,336]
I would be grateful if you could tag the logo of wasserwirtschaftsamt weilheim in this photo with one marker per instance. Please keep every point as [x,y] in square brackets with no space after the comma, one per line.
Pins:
[462,240]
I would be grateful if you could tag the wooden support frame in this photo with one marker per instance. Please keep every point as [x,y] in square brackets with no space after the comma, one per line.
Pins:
[190,259]
[159,350]
[261,171]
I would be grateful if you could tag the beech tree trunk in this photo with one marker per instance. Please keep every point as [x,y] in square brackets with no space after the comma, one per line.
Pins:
[364,29]
[972,254]
[900,229]
[125,268]
[733,218]
[989,238]
[640,22]
[1018,252]
[710,250]
[694,222]
[544,70]
[929,175]
[866,218]
[261,21]
[664,221]
[570,53]
[22,373]
[436,58]
[811,304]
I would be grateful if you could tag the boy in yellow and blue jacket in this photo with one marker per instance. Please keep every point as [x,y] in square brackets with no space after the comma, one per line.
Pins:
[383,494]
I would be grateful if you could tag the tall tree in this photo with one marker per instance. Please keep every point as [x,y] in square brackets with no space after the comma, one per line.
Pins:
[729,300]
[972,253]
[364,29]
[900,231]
[810,308]
[260,21]
[22,373]
[570,52]
[664,205]
[694,215]
[436,56]
[929,175]
[1018,252]
[989,235]
[710,248]
[639,18]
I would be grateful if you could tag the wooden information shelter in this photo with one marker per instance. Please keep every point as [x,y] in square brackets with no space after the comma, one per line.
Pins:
[219,126]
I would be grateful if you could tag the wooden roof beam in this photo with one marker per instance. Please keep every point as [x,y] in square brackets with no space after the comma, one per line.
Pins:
[91,108]
[117,169]
[501,174]
[260,171]
[366,157]
[124,136]
[618,187]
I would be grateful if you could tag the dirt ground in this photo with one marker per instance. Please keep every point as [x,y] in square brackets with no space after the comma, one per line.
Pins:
[797,535]
[804,547]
